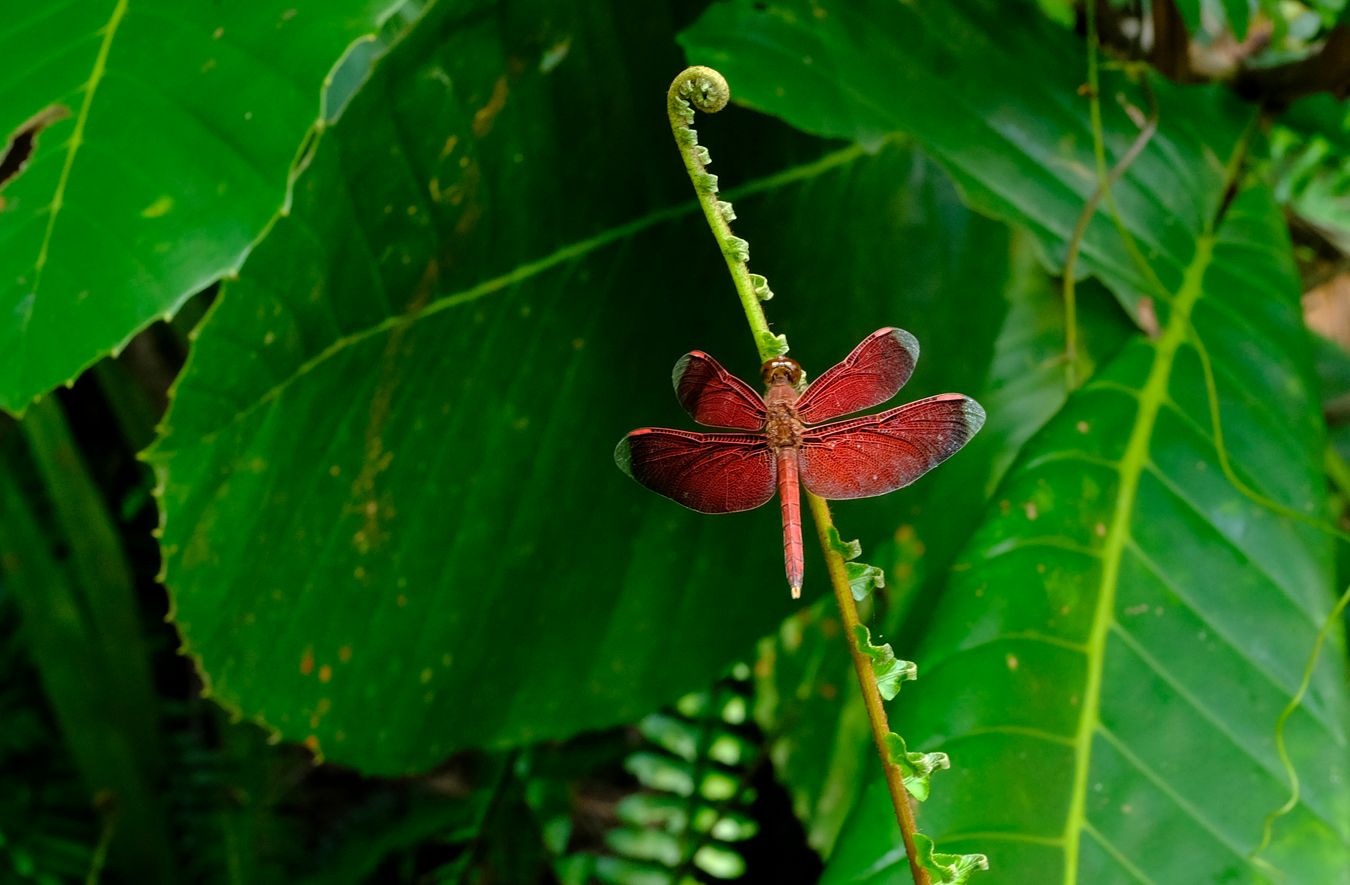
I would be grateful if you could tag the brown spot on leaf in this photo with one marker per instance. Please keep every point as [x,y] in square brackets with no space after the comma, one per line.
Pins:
[484,117]
[1148,318]
[325,673]
[307,662]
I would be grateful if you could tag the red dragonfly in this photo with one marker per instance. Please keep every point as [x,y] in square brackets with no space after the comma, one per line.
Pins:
[788,445]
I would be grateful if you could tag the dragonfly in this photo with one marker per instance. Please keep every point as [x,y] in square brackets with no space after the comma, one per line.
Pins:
[793,439]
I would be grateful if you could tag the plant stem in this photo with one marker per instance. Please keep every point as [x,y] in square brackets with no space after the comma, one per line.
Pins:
[876,711]
[82,633]
[706,90]
[1105,180]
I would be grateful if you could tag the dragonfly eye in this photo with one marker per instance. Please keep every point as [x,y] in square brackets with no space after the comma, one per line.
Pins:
[781,368]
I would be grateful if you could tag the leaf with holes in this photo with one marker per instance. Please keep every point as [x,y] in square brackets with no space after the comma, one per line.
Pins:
[387,478]
[1120,635]
[149,144]
[991,90]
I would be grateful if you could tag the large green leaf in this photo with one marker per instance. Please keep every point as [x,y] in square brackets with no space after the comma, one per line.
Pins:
[822,748]
[393,525]
[992,90]
[171,128]
[1109,661]
[805,696]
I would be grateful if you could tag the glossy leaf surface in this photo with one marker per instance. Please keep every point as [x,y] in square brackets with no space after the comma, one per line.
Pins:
[169,131]
[387,471]
[806,692]
[991,90]
[823,751]
[1124,629]
[1014,132]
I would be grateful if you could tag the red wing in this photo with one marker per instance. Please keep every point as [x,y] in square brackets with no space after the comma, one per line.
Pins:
[714,397]
[877,454]
[869,376]
[707,472]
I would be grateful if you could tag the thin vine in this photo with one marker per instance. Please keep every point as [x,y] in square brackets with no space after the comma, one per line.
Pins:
[1103,190]
[907,773]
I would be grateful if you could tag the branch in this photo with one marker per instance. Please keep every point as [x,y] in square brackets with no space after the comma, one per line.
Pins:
[876,712]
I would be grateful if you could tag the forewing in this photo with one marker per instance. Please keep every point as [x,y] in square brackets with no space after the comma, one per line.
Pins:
[707,472]
[869,376]
[880,453]
[714,397]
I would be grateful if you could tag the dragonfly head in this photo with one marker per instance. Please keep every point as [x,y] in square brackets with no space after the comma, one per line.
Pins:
[781,369]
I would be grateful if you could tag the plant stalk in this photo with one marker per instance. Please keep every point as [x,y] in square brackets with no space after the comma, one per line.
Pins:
[876,711]
[705,89]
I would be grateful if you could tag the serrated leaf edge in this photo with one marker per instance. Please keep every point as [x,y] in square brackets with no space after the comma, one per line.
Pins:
[888,670]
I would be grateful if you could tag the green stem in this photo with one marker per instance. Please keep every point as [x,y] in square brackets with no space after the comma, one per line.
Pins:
[82,634]
[101,575]
[706,90]
[1333,621]
[1105,180]
[1338,471]
[876,711]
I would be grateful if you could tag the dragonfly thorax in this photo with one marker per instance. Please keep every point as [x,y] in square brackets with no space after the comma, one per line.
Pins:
[782,426]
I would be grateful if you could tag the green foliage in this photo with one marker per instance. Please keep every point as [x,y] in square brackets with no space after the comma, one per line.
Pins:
[1310,154]
[67,576]
[862,578]
[1012,130]
[169,132]
[691,811]
[888,670]
[947,869]
[481,381]
[451,256]
[46,829]
[917,767]
[1037,618]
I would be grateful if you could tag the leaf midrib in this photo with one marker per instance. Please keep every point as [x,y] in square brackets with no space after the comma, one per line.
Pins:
[72,147]
[521,273]
[1133,462]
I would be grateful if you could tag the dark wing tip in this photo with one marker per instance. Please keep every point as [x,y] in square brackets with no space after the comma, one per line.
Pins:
[623,453]
[681,366]
[903,338]
[974,414]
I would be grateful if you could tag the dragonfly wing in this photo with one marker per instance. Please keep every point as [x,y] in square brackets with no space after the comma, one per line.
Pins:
[714,397]
[869,376]
[880,453]
[707,472]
